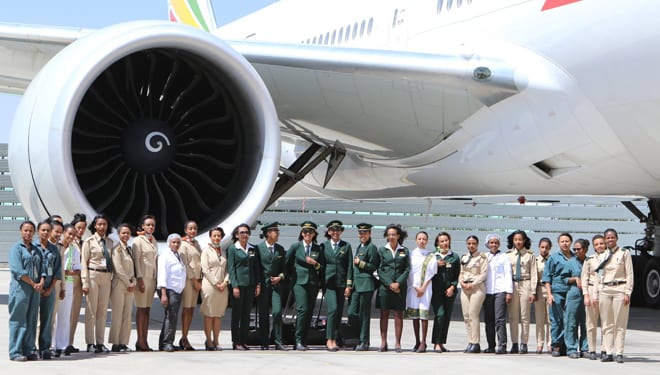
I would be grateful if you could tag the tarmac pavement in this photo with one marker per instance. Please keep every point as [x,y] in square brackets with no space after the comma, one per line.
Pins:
[642,353]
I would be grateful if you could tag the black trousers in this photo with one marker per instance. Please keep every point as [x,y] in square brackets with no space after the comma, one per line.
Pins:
[168,330]
[240,314]
[495,318]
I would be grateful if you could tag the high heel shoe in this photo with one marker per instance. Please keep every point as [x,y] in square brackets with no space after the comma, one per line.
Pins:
[185,345]
[209,348]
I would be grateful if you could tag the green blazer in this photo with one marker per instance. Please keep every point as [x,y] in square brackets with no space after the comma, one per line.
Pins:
[303,273]
[394,269]
[363,273]
[447,275]
[244,267]
[272,264]
[338,264]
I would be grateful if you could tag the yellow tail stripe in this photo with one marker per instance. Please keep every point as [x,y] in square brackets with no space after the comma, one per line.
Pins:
[184,14]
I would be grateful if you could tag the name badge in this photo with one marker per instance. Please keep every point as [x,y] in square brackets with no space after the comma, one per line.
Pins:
[402,254]
[103,263]
[50,270]
[251,252]
[448,265]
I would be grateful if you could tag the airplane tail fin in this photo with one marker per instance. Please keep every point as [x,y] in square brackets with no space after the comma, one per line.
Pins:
[196,13]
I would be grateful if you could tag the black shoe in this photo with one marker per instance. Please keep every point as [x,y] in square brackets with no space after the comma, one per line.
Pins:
[91,348]
[474,348]
[398,350]
[46,354]
[421,349]
[443,349]
[514,348]
[593,356]
[556,352]
[168,348]
[523,349]
[608,358]
[102,349]
[125,349]
[501,350]
[333,349]
[73,349]
[619,358]
[575,355]
[603,355]
[115,348]
[489,350]
[299,346]
[361,347]
[467,348]
[67,351]
[281,347]
[32,357]
[19,358]
[382,349]
[239,347]
[58,353]
[264,347]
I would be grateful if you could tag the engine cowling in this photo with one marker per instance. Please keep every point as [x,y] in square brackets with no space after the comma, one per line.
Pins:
[147,117]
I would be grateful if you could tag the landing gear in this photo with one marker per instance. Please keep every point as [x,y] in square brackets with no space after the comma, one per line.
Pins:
[646,259]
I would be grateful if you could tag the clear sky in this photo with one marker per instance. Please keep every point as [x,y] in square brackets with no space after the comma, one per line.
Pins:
[97,14]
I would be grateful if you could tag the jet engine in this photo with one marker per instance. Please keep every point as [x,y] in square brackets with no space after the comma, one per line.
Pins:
[147,117]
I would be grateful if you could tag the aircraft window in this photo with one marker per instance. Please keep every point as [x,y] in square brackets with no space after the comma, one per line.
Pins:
[320,39]
[334,37]
[362,28]
[341,35]
[449,2]
[459,3]
[438,9]
[355,29]
[396,13]
[370,26]
[327,38]
[348,33]
[314,40]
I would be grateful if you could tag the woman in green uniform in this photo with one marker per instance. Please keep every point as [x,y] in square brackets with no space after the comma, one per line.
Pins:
[393,273]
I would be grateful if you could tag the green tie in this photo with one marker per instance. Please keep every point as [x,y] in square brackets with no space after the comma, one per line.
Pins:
[307,250]
[106,255]
[334,248]
[518,270]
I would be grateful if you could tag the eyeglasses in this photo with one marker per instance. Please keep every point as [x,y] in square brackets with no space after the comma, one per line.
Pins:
[307,231]
[243,232]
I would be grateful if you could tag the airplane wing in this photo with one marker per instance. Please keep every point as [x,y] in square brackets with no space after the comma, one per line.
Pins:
[323,94]
[229,108]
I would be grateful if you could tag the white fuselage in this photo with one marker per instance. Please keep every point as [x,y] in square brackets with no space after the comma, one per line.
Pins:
[585,122]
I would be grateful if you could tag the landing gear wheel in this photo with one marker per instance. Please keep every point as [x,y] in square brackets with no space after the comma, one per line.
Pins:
[651,282]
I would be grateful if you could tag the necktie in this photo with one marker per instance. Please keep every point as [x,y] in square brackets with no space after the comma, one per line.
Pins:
[130,253]
[307,250]
[518,268]
[270,248]
[334,247]
[106,255]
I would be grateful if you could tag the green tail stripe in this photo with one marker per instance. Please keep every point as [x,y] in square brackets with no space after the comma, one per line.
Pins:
[198,14]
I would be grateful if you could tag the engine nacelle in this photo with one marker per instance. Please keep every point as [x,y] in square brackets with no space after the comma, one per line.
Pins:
[147,117]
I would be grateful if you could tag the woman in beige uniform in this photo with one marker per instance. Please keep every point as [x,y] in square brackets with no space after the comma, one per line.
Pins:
[215,296]
[96,281]
[474,269]
[145,250]
[541,316]
[79,222]
[191,253]
[589,279]
[123,284]
[614,296]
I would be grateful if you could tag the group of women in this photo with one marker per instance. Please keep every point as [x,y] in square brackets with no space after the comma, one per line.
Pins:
[50,275]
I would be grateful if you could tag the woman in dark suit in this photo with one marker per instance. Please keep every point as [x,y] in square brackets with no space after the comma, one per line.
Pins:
[306,260]
[393,273]
[244,276]
[338,279]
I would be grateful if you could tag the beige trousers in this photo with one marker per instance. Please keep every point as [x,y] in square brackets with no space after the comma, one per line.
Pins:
[96,310]
[471,303]
[520,310]
[122,309]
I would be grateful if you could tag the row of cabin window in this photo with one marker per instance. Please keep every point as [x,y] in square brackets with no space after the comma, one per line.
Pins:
[336,37]
[450,3]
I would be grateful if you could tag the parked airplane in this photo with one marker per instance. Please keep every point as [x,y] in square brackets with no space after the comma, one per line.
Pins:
[358,99]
